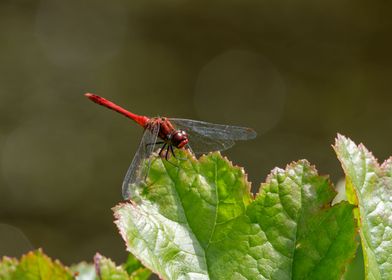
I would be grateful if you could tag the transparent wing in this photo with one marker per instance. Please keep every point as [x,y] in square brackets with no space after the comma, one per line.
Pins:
[137,173]
[206,137]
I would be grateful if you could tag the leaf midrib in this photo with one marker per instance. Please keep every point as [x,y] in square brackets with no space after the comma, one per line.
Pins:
[297,222]
[186,217]
[216,208]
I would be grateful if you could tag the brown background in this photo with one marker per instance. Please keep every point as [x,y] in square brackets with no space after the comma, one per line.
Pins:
[297,72]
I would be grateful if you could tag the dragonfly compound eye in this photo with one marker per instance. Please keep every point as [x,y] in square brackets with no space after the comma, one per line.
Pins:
[180,138]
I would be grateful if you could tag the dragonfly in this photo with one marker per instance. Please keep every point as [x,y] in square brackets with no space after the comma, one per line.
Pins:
[172,133]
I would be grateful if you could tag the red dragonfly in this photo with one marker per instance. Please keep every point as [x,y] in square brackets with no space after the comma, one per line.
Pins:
[172,132]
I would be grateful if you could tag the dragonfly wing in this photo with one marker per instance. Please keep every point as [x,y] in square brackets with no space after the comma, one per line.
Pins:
[219,131]
[207,137]
[202,144]
[136,172]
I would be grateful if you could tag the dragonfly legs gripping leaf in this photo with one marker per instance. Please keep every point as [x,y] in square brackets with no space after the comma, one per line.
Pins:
[165,151]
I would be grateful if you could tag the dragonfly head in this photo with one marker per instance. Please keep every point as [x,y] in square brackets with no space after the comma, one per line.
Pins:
[179,138]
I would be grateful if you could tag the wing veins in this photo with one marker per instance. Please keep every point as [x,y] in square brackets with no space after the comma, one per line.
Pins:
[136,173]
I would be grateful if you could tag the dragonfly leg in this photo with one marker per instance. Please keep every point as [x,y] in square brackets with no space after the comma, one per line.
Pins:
[174,155]
[162,149]
[167,146]
[172,151]
[167,152]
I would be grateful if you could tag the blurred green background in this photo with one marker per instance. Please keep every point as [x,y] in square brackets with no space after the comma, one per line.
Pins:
[297,72]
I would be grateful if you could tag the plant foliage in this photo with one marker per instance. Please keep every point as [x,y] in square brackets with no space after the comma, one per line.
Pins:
[197,219]
[369,187]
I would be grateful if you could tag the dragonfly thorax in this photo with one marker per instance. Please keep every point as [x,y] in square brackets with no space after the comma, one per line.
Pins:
[179,138]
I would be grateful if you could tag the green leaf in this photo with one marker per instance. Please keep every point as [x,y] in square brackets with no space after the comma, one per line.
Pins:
[141,274]
[135,269]
[84,271]
[197,219]
[7,267]
[37,266]
[355,269]
[370,187]
[107,270]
